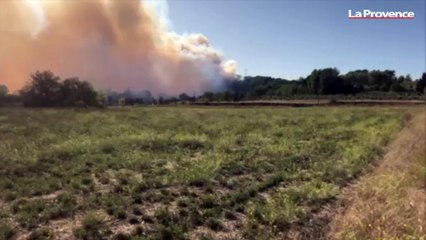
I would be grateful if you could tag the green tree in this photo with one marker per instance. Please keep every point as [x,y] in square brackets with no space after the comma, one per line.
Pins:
[421,84]
[46,90]
[397,87]
[382,80]
[330,81]
[358,78]
[42,91]
[325,81]
[313,81]
[70,92]
[88,94]
[78,93]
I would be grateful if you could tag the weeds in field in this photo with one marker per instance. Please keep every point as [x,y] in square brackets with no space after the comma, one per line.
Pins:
[206,166]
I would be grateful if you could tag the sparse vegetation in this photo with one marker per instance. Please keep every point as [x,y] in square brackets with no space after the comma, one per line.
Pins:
[168,173]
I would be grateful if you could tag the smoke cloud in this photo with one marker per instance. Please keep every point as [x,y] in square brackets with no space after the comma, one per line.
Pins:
[113,44]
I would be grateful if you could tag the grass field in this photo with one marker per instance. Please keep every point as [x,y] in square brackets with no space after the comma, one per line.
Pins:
[181,173]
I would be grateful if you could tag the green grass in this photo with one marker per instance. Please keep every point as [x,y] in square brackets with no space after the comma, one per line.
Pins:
[207,165]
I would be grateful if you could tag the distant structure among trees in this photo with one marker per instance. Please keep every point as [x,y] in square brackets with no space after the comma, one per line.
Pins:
[3,90]
[129,97]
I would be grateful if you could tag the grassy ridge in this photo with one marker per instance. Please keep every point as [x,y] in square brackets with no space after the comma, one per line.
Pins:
[183,172]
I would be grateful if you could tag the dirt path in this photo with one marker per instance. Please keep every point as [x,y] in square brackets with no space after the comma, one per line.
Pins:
[389,203]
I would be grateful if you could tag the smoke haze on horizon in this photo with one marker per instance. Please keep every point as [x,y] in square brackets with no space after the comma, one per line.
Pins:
[113,44]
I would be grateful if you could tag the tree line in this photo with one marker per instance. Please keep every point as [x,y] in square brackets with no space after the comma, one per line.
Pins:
[327,81]
[320,83]
[45,89]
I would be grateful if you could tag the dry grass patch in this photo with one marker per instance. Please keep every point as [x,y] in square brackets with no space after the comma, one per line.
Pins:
[390,203]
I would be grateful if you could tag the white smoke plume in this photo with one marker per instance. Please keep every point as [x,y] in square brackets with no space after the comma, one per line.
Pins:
[113,44]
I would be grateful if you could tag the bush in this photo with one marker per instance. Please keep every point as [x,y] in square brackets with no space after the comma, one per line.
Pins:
[66,205]
[230,215]
[41,234]
[137,211]
[6,231]
[209,201]
[122,236]
[171,232]
[214,224]
[165,217]
[92,228]
[29,213]
[120,213]
[133,220]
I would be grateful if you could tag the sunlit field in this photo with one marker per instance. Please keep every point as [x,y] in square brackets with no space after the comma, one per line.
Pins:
[182,172]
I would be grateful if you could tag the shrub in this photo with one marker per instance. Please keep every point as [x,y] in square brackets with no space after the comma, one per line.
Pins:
[214,224]
[137,211]
[183,202]
[122,236]
[190,217]
[6,231]
[92,228]
[66,205]
[133,220]
[29,213]
[230,215]
[165,217]
[209,201]
[171,232]
[41,234]
[138,231]
[120,213]
[10,196]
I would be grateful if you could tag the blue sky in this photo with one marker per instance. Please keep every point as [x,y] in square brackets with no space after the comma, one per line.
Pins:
[289,38]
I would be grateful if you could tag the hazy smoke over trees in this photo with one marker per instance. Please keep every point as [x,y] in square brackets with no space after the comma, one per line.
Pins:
[113,44]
